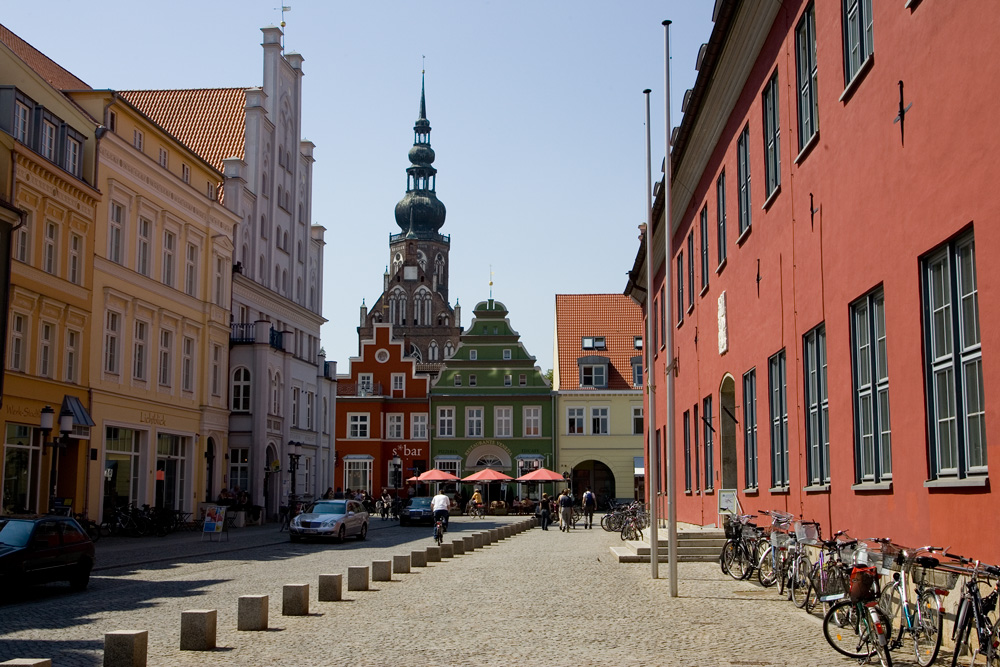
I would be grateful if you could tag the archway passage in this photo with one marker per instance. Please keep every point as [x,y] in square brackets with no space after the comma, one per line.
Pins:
[599,478]
[727,400]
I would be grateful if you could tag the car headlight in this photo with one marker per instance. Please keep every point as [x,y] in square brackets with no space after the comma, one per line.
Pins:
[295,522]
[329,522]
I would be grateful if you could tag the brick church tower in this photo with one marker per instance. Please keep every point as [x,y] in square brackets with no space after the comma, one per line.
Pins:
[415,285]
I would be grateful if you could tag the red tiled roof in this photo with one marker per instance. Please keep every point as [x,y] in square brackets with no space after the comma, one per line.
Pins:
[209,121]
[58,78]
[614,316]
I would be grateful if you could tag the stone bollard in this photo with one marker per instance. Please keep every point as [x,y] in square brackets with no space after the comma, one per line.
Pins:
[447,550]
[458,547]
[433,554]
[494,535]
[295,600]
[477,539]
[357,578]
[381,570]
[28,662]
[418,558]
[330,587]
[125,648]
[470,543]
[508,531]
[251,613]
[401,564]
[198,629]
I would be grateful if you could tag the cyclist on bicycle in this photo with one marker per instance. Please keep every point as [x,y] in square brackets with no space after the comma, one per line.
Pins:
[441,504]
[476,500]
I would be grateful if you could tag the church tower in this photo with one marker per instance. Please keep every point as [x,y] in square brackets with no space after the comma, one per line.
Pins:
[415,285]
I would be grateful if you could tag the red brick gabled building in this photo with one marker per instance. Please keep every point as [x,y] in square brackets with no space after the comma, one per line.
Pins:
[836,337]
[382,413]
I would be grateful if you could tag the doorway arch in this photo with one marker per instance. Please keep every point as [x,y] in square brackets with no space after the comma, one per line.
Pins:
[727,414]
[598,476]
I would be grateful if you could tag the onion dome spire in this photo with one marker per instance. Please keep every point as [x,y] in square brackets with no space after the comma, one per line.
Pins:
[419,213]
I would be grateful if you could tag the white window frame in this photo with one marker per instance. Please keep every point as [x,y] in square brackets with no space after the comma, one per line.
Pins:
[532,417]
[474,422]
[394,426]
[46,331]
[71,361]
[22,121]
[187,364]
[503,421]
[600,420]
[593,375]
[398,381]
[241,389]
[164,158]
[164,373]
[137,139]
[191,270]
[116,241]
[506,354]
[638,420]
[112,333]
[446,422]
[772,136]
[49,252]
[140,359]
[869,356]
[169,249]
[47,140]
[358,426]
[74,274]
[575,424]
[418,426]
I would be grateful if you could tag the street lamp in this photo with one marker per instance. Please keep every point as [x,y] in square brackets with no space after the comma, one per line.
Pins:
[397,470]
[294,453]
[45,423]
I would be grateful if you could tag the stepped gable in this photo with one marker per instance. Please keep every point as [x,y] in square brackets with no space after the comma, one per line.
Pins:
[209,121]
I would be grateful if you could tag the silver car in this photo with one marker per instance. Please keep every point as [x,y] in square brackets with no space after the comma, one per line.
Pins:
[330,518]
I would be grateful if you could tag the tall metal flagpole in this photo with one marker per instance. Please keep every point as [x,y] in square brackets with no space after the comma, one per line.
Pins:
[668,334]
[652,483]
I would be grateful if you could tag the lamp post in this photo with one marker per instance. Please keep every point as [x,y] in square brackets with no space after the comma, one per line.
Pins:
[45,423]
[294,453]
[397,472]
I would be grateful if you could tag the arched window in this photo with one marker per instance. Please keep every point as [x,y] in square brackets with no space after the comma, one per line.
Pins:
[432,351]
[241,390]
[276,394]
[449,350]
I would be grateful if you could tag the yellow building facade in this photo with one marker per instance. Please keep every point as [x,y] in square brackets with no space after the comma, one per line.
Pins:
[162,281]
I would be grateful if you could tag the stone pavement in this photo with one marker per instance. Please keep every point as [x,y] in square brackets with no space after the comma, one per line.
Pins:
[538,598]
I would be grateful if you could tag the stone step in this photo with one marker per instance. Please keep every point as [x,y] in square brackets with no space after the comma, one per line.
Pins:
[624,554]
[642,548]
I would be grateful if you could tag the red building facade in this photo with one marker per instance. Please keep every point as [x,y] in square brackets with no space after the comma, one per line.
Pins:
[834,322]
[382,415]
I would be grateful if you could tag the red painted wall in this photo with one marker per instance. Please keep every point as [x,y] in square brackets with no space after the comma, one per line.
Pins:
[880,202]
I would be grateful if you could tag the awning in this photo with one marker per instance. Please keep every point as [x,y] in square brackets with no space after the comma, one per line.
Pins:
[80,415]
[639,465]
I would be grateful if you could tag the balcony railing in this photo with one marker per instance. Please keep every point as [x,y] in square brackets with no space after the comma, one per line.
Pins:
[344,389]
[245,333]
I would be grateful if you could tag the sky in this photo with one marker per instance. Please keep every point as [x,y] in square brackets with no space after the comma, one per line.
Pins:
[536,108]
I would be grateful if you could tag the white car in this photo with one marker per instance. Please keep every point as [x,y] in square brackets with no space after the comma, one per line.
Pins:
[330,518]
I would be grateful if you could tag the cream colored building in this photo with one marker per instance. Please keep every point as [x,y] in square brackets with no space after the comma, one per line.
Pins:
[163,256]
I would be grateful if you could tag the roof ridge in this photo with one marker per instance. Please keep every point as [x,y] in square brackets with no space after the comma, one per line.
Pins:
[27,53]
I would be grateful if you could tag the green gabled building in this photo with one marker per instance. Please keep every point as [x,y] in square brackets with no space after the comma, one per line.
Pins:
[491,406]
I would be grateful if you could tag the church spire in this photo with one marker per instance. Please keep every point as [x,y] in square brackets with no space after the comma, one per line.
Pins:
[420,213]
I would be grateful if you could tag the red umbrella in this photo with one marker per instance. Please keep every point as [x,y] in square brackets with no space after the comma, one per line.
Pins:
[487,475]
[541,475]
[436,475]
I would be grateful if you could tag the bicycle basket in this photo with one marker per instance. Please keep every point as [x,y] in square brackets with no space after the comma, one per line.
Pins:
[863,587]
[750,530]
[732,528]
[780,539]
[932,578]
[806,532]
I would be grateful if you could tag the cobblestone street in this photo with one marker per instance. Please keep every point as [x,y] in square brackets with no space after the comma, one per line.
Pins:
[534,599]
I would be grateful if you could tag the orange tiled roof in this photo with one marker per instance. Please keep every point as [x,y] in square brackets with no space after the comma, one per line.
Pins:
[45,67]
[209,121]
[614,316]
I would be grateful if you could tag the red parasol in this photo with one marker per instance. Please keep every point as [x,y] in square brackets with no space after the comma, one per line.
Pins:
[487,475]
[541,475]
[436,475]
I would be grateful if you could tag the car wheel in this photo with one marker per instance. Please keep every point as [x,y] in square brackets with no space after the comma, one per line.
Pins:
[364,532]
[80,578]
[341,534]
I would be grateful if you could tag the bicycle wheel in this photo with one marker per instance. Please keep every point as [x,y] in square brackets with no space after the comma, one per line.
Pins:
[856,637]
[813,591]
[927,626]
[881,644]
[892,604]
[766,573]
[606,522]
[731,562]
[969,652]
[801,571]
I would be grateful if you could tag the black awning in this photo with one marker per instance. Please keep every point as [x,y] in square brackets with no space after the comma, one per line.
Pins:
[80,415]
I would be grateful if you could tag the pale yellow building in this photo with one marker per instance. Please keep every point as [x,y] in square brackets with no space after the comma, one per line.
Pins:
[47,172]
[163,257]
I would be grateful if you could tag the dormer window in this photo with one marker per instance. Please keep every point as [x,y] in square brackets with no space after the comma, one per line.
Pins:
[593,372]
[636,371]
[593,343]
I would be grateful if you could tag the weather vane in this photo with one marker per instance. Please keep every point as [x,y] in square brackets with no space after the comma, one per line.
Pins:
[491,281]
[284,8]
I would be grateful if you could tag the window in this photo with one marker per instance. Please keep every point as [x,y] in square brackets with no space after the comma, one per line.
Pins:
[309,412]
[21,121]
[112,121]
[522,380]
[704,248]
[187,364]
[593,375]
[954,365]
[75,247]
[637,420]
[637,342]
[508,380]
[358,474]
[687,451]
[72,158]
[637,372]
[366,382]
[709,442]
[45,351]
[398,381]
[137,139]
[164,159]
[139,351]
[112,322]
[20,240]
[72,355]
[17,332]
[216,369]
[169,242]
[190,270]
[145,230]
[858,42]
[806,73]
[446,422]
[750,428]
[357,425]
[691,270]
[473,355]
[574,421]
[241,391]
[817,406]
[49,248]
[599,421]
[418,426]
[694,450]
[48,140]
[743,178]
[166,358]
[473,422]
[872,434]
[594,343]
[680,288]
[772,134]
[394,426]
[472,380]
[185,173]
[779,420]
[458,380]
[506,355]
[115,222]
[532,422]
[239,467]
[720,216]
[503,422]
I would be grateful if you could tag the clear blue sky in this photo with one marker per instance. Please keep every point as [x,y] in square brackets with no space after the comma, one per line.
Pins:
[536,108]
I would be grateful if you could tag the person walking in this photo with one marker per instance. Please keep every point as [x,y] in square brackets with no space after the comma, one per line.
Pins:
[565,511]
[589,506]
[544,513]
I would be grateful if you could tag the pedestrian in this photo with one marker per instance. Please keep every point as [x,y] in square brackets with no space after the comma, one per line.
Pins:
[589,506]
[329,493]
[565,511]
[441,504]
[543,512]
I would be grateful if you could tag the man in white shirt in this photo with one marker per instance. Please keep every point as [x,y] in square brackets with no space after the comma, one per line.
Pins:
[441,504]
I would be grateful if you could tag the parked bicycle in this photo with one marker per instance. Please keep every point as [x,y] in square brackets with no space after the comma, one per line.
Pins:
[737,558]
[975,634]
[92,528]
[919,617]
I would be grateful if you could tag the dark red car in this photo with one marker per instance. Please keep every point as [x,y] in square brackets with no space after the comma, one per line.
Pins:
[40,549]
